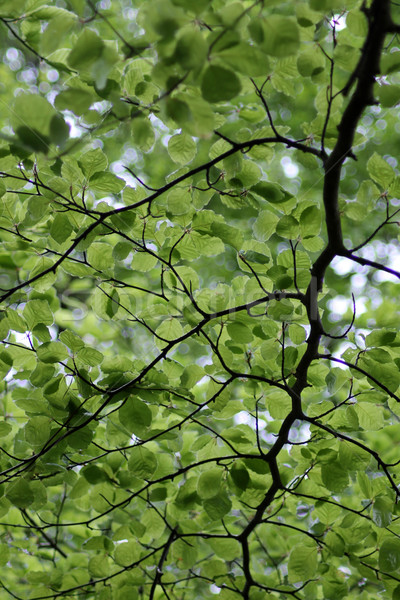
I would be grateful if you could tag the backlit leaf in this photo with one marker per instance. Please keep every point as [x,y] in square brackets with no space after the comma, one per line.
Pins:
[182,148]
[389,555]
[142,462]
[302,563]
[219,84]
[52,352]
[380,170]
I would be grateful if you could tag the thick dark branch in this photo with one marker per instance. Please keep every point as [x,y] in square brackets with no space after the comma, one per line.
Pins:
[365,73]
[367,69]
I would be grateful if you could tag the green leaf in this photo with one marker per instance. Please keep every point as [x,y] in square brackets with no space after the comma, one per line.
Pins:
[357,23]
[389,555]
[86,51]
[270,191]
[219,84]
[182,148]
[265,225]
[137,71]
[142,462]
[170,329]
[389,95]
[201,121]
[37,311]
[369,416]
[92,162]
[365,484]
[302,563]
[19,493]
[346,57]
[390,62]
[94,474]
[209,483]
[61,21]
[239,333]
[143,134]
[310,221]
[380,170]
[255,257]
[105,301]
[382,509]
[226,549]
[142,261]
[52,352]
[334,477]
[37,432]
[185,552]
[240,476]
[179,201]
[352,457]
[257,465]
[75,100]
[311,62]
[288,227]
[61,228]
[178,111]
[5,428]
[4,554]
[100,256]
[396,593]
[335,543]
[15,321]
[305,16]
[186,496]
[280,36]
[46,279]
[71,172]
[297,333]
[43,125]
[191,49]
[90,356]
[379,338]
[100,542]
[126,553]
[135,415]
[72,340]
[246,59]
[99,566]
[281,310]
[218,506]
[106,183]
[378,364]
[41,374]
[226,233]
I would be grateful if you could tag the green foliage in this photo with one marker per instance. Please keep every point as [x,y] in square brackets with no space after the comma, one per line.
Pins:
[199,319]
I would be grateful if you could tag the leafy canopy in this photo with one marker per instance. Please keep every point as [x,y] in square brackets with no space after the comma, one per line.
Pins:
[199,205]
